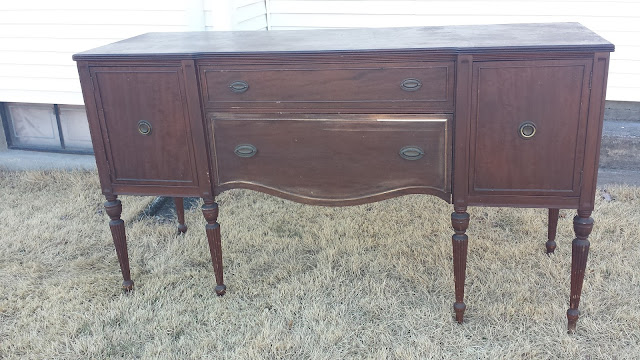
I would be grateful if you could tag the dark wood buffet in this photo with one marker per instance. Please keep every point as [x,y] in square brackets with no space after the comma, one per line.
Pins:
[495,115]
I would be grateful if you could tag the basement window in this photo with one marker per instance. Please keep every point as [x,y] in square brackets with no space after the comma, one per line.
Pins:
[46,127]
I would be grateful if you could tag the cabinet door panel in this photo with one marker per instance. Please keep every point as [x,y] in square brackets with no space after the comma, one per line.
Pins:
[549,95]
[128,95]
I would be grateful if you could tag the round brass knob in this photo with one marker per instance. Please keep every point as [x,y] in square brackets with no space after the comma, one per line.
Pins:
[144,127]
[527,129]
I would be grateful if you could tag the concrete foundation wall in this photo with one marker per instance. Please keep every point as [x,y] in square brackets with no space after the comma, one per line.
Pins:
[3,138]
[622,111]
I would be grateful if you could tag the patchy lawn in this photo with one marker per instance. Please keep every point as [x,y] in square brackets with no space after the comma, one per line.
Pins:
[370,281]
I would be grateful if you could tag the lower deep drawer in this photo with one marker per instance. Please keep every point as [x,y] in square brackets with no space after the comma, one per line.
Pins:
[334,160]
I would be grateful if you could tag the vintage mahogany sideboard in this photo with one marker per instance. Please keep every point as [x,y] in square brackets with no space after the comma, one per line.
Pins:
[498,115]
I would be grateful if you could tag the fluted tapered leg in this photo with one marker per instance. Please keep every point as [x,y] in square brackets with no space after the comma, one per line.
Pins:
[460,223]
[179,202]
[551,233]
[582,225]
[113,206]
[210,212]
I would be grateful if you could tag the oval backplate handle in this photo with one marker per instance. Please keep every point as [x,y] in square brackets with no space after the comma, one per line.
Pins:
[411,153]
[527,129]
[411,84]
[144,127]
[245,150]
[239,86]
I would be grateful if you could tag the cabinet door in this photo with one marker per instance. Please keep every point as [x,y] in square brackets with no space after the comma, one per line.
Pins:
[528,128]
[145,127]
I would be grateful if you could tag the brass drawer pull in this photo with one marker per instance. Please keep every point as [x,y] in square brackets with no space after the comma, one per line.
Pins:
[144,127]
[239,86]
[527,129]
[411,84]
[411,153]
[245,150]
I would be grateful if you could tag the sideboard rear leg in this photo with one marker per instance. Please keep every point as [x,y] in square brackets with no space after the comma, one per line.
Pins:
[460,223]
[179,203]
[582,225]
[551,233]
[210,212]
[113,206]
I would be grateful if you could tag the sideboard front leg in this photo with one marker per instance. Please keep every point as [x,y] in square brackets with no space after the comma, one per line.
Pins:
[460,223]
[551,233]
[582,225]
[113,206]
[210,211]
[179,203]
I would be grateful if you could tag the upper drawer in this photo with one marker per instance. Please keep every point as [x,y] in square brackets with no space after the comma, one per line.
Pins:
[380,88]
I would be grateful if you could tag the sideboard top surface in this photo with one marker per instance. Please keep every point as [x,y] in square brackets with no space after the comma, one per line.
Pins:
[449,39]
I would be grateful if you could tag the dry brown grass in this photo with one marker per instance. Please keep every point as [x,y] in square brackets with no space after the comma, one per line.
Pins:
[371,281]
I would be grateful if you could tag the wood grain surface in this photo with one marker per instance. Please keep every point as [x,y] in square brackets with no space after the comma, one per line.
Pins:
[491,115]
[466,38]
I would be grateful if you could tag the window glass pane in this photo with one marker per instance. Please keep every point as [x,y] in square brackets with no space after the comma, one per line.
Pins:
[33,125]
[75,128]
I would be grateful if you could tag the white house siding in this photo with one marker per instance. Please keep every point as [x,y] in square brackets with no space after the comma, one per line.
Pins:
[236,15]
[616,20]
[38,37]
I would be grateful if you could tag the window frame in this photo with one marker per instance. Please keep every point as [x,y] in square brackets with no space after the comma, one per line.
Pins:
[7,126]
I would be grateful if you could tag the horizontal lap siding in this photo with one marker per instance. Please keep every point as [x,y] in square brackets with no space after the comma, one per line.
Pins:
[252,15]
[38,38]
[243,15]
[616,21]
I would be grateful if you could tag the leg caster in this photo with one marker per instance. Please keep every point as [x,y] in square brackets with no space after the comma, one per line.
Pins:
[460,223]
[127,286]
[459,308]
[179,203]
[221,289]
[113,206]
[210,212]
[551,233]
[582,225]
[572,317]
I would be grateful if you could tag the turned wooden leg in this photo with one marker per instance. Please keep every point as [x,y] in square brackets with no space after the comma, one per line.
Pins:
[582,225]
[551,233]
[113,207]
[460,223]
[179,202]
[210,212]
